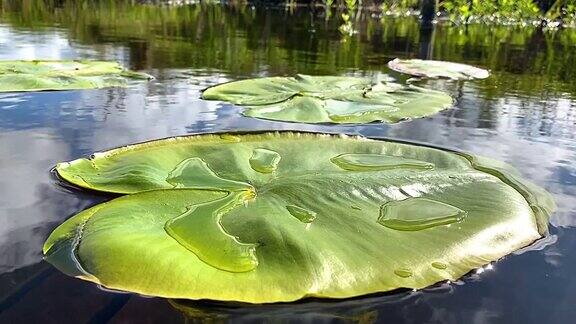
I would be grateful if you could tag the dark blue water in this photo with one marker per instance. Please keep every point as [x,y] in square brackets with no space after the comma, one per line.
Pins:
[525,114]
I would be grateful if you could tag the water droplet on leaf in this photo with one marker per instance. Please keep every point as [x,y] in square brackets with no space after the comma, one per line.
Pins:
[372,162]
[302,214]
[264,161]
[195,173]
[230,138]
[403,272]
[200,230]
[414,214]
[439,265]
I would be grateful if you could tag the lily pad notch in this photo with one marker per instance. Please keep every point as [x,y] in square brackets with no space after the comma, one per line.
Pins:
[329,99]
[280,216]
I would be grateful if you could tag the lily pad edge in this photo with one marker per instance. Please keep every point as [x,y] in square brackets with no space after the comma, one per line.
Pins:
[496,170]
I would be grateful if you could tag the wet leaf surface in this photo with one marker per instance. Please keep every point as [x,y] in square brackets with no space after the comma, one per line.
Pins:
[438,69]
[329,99]
[333,218]
[63,75]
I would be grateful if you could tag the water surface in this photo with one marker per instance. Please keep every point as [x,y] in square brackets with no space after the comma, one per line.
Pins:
[525,114]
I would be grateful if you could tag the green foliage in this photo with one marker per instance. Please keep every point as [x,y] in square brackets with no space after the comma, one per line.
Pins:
[351,5]
[399,6]
[224,38]
[270,217]
[564,10]
[501,10]
[347,27]
[457,9]
[508,10]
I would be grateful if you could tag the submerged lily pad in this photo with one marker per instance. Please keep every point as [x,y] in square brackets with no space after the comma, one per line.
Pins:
[63,75]
[438,69]
[329,99]
[271,217]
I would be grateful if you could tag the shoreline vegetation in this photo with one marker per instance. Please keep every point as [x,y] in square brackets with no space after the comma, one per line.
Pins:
[547,13]
[207,43]
[155,37]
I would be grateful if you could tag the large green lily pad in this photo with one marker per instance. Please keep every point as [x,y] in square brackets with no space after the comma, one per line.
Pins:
[438,69]
[329,99]
[271,217]
[63,75]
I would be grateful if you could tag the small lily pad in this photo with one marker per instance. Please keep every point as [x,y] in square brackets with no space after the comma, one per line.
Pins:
[329,99]
[276,217]
[438,69]
[63,75]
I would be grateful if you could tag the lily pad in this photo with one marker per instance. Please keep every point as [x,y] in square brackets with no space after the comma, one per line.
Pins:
[329,99]
[438,69]
[276,217]
[63,75]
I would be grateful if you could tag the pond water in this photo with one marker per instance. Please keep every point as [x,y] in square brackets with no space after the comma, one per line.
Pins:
[525,114]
